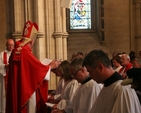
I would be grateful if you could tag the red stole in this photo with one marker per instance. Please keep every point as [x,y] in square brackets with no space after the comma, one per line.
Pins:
[5,58]
[123,74]
[5,62]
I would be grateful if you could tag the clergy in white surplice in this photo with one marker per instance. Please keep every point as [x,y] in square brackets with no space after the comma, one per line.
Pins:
[114,97]
[4,62]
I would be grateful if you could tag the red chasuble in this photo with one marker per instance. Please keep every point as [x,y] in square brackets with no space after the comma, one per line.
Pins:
[26,75]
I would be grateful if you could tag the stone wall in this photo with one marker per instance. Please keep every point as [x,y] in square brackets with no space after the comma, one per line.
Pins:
[117,30]
[83,42]
[121,18]
[2,25]
[117,25]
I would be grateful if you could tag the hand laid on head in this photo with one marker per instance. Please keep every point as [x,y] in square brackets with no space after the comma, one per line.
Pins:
[54,64]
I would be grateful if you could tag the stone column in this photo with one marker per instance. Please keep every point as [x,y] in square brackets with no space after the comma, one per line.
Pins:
[131,25]
[58,29]
[19,17]
[15,17]
[37,10]
[137,22]
[65,34]
[49,29]
[58,44]
[37,45]
[64,44]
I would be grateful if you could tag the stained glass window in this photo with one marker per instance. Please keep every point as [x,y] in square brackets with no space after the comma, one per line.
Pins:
[80,14]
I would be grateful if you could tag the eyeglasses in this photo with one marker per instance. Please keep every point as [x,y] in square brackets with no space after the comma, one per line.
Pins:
[74,74]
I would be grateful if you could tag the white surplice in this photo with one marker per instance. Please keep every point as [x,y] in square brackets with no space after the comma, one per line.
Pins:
[2,65]
[2,82]
[59,88]
[84,97]
[117,98]
[68,93]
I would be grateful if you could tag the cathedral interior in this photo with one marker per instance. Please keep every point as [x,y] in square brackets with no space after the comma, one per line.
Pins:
[110,25]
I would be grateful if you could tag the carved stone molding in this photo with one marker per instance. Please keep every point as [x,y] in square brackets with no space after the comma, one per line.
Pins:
[136,1]
[40,34]
[17,36]
[8,36]
[65,35]
[57,34]
[137,37]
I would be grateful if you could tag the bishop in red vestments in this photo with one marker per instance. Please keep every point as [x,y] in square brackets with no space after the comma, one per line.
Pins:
[26,75]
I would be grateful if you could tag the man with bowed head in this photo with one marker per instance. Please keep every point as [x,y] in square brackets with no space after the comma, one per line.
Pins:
[86,94]
[4,63]
[27,77]
[114,97]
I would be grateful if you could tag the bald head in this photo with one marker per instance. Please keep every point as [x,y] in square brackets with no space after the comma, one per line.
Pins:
[10,44]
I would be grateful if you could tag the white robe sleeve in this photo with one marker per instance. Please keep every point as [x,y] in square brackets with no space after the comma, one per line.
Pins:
[68,94]
[84,98]
[127,102]
[47,77]
[2,65]
[46,62]
[116,99]
[87,96]
[56,97]
[69,108]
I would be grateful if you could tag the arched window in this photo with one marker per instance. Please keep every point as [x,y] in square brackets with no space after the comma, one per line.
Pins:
[81,16]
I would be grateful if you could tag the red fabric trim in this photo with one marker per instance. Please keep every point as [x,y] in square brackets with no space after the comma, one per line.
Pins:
[5,58]
[129,66]
[41,97]
[5,62]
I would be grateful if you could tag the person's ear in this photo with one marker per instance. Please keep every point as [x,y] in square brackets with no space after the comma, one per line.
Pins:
[82,69]
[100,67]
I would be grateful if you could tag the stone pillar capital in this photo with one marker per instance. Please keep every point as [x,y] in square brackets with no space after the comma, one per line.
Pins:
[57,34]
[138,36]
[40,34]
[65,35]
[136,1]
[17,36]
